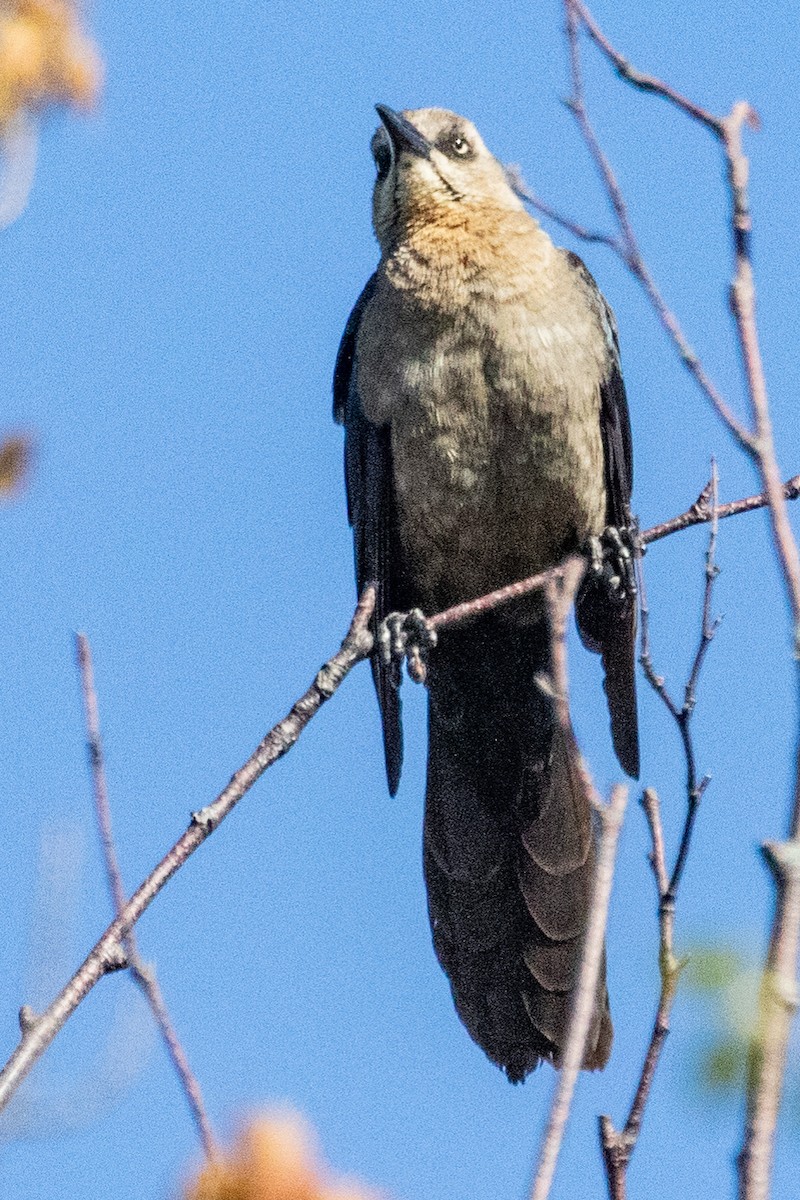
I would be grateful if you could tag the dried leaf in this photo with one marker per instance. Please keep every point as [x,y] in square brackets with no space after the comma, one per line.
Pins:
[15,460]
[45,58]
[274,1159]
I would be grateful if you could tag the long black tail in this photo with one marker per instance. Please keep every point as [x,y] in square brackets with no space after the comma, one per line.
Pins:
[508,848]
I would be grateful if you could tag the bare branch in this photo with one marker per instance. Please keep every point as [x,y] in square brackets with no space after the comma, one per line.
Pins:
[700,512]
[560,592]
[778,1003]
[576,14]
[579,231]
[618,1146]
[513,591]
[759,443]
[743,306]
[141,972]
[645,83]
[768,1052]
[708,628]
[611,816]
[107,953]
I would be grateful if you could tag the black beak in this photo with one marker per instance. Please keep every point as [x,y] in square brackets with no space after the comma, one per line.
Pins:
[402,133]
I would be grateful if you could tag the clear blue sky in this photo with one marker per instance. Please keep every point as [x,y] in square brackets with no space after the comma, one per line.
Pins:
[174,297]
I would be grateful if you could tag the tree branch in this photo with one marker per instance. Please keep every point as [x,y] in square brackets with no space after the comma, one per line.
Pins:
[618,1146]
[769,1049]
[108,955]
[141,972]
[701,512]
[611,816]
[560,592]
[627,245]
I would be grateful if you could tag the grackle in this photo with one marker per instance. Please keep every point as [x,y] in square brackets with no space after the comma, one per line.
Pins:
[486,437]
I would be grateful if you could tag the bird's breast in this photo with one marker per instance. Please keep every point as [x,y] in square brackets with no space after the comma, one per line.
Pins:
[495,434]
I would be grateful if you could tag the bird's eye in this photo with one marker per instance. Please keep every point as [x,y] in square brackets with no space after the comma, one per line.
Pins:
[455,145]
[383,160]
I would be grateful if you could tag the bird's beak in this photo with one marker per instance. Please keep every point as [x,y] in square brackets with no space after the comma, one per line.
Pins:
[402,134]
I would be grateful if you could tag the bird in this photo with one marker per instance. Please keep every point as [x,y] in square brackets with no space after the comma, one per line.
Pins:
[487,436]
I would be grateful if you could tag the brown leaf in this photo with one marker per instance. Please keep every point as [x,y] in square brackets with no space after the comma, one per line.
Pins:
[15,460]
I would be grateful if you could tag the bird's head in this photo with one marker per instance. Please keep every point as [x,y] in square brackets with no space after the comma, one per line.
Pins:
[431,163]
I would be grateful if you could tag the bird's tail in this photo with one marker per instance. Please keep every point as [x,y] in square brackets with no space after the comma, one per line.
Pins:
[508,848]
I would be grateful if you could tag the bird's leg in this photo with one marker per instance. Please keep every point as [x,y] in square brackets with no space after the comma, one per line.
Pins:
[406,636]
[611,571]
[608,592]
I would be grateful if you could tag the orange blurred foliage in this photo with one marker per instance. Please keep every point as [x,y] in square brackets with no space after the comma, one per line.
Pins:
[273,1159]
[15,460]
[45,58]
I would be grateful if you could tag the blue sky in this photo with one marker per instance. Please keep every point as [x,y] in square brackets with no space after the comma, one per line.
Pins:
[174,298]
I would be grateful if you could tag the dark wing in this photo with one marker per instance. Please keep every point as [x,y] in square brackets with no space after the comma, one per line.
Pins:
[606,628]
[371,512]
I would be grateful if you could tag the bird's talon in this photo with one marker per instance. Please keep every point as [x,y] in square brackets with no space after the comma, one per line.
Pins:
[416,667]
[611,564]
[406,635]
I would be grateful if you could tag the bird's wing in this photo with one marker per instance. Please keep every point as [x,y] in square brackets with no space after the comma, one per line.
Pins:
[371,512]
[605,628]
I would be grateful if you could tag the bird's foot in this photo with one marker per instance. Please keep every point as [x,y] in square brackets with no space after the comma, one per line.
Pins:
[612,566]
[406,636]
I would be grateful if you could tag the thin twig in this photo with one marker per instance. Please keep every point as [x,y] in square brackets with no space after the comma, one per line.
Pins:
[618,1146]
[141,972]
[593,236]
[645,83]
[560,592]
[708,628]
[743,307]
[611,816]
[107,954]
[459,613]
[700,512]
[778,1002]
[627,245]
[682,715]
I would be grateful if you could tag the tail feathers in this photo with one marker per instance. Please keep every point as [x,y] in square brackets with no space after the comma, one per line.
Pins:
[508,856]
[555,876]
[557,904]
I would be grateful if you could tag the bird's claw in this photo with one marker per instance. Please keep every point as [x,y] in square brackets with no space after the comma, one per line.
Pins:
[406,636]
[612,564]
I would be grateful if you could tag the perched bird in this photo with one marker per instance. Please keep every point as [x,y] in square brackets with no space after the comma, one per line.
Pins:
[487,437]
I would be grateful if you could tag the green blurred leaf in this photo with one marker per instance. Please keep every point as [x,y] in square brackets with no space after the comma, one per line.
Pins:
[711,970]
[722,1067]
